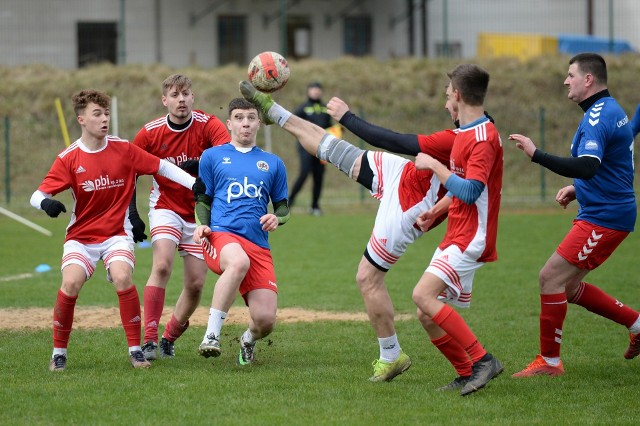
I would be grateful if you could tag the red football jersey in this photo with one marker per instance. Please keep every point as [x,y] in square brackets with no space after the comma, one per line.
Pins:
[477,154]
[102,184]
[414,184]
[178,146]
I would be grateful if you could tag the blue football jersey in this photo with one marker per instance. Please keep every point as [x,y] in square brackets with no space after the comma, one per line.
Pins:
[607,199]
[241,185]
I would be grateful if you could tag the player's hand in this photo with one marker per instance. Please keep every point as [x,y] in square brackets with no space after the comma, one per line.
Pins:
[269,222]
[425,161]
[137,228]
[524,143]
[190,166]
[52,207]
[337,108]
[425,220]
[198,188]
[201,233]
[566,195]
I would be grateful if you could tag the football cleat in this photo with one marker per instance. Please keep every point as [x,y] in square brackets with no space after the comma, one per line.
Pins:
[457,383]
[539,367]
[247,353]
[138,360]
[634,346]
[166,349]
[210,347]
[384,371]
[150,350]
[58,362]
[261,100]
[487,368]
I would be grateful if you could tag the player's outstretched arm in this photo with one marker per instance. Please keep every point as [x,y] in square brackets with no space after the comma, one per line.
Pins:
[51,207]
[377,136]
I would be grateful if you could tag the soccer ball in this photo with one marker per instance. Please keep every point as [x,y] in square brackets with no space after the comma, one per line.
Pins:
[268,71]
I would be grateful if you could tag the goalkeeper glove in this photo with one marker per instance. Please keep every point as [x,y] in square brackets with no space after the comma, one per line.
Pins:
[52,207]
[137,228]
[190,166]
[198,188]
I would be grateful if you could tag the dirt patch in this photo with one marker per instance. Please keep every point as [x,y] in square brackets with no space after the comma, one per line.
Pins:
[100,317]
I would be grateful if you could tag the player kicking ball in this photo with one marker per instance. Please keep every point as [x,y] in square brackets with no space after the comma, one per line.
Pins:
[407,194]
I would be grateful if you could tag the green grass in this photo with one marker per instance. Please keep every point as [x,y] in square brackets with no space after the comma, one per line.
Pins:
[315,373]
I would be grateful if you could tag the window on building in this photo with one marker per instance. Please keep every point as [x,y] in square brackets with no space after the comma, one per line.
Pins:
[298,37]
[357,35]
[232,40]
[452,49]
[97,42]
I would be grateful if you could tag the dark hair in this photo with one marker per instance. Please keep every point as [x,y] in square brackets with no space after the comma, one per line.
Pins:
[471,81]
[85,97]
[240,103]
[591,63]
[178,80]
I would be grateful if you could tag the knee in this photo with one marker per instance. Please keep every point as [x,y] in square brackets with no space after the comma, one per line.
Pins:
[71,287]
[162,268]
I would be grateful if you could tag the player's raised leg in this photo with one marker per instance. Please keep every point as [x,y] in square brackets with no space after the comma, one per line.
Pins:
[313,138]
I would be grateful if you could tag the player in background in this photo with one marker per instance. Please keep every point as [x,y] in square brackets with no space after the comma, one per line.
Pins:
[370,280]
[101,171]
[233,228]
[404,193]
[179,137]
[474,182]
[601,164]
[315,111]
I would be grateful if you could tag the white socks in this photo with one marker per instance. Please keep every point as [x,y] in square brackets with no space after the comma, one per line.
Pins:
[216,319]
[247,338]
[389,348]
[278,114]
[635,328]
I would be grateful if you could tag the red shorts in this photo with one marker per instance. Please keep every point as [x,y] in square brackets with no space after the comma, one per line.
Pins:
[587,246]
[261,273]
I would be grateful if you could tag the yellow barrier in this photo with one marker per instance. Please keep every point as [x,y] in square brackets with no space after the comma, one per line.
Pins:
[521,46]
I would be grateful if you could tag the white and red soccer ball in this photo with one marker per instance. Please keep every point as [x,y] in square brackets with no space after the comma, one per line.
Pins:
[268,72]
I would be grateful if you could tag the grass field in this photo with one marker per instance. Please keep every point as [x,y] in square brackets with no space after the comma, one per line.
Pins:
[316,372]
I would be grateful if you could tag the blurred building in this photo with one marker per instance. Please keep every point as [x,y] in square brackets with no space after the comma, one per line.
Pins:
[208,33]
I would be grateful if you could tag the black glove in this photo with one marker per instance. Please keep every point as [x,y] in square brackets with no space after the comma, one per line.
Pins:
[137,228]
[52,207]
[198,188]
[190,166]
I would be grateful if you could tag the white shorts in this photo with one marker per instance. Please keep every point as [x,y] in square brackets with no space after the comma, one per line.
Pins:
[456,269]
[393,230]
[166,224]
[87,255]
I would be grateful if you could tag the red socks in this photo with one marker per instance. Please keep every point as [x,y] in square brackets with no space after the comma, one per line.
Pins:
[153,305]
[174,329]
[455,354]
[453,324]
[597,301]
[553,310]
[130,314]
[63,312]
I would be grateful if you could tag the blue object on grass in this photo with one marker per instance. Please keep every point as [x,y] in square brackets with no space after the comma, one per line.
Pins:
[144,244]
[43,267]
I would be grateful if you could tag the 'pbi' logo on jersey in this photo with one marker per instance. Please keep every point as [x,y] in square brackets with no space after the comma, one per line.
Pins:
[103,182]
[249,190]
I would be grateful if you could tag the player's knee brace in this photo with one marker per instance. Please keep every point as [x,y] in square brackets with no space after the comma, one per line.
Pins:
[340,153]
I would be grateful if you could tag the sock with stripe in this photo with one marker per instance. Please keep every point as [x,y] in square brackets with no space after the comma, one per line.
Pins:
[153,305]
[129,302]
[553,310]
